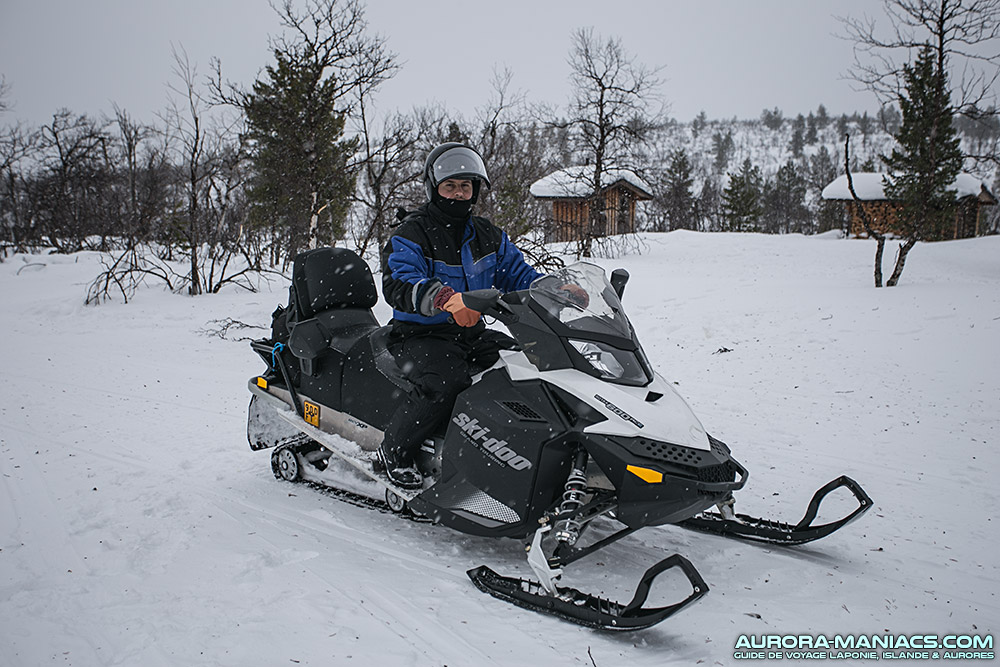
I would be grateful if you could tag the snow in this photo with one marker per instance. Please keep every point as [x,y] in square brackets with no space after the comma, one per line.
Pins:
[137,527]
[577,182]
[869,187]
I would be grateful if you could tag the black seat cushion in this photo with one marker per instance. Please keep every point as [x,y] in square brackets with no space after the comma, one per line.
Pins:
[327,278]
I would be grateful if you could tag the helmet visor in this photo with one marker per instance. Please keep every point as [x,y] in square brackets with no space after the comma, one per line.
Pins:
[459,162]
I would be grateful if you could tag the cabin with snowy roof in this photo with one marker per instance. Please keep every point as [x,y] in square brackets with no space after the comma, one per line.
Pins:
[971,193]
[570,191]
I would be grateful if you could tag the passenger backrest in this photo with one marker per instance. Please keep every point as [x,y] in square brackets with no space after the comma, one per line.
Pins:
[327,278]
[332,294]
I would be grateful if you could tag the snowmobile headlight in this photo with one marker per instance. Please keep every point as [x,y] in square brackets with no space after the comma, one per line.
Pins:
[611,363]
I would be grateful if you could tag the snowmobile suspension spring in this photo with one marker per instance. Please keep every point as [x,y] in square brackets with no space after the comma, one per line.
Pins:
[568,529]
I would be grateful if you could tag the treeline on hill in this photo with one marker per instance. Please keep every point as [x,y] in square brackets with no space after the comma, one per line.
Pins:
[107,184]
[229,183]
[766,175]
[102,184]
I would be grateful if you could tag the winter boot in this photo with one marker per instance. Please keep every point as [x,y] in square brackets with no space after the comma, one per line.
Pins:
[405,476]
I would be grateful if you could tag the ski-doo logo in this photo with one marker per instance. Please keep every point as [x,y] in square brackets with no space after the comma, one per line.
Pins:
[618,411]
[476,434]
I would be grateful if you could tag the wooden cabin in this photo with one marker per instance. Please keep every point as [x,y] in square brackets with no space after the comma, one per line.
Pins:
[570,191]
[971,192]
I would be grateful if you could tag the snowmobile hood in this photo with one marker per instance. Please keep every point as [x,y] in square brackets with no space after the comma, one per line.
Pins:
[655,411]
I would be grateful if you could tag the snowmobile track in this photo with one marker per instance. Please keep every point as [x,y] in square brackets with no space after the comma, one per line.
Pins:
[361,500]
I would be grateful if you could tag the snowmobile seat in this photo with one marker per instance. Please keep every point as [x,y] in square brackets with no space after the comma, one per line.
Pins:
[332,294]
[385,362]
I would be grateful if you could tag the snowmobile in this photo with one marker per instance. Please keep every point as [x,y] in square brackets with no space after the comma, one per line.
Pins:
[572,424]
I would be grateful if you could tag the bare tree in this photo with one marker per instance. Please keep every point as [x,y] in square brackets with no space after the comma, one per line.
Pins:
[195,180]
[863,214]
[389,162]
[965,38]
[195,146]
[513,147]
[16,144]
[75,168]
[132,137]
[4,94]
[614,108]
[389,156]
[332,36]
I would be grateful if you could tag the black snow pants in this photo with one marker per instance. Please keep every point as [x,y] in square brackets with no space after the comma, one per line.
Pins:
[440,361]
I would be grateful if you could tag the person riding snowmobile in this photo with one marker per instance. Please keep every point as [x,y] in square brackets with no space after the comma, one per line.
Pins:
[438,252]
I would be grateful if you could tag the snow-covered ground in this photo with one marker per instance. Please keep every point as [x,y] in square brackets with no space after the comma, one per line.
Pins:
[137,527]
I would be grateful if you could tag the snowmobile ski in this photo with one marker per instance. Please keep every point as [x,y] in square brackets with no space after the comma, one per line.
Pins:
[755,529]
[588,610]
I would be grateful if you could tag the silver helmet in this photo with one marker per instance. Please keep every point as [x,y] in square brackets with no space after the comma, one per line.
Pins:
[453,160]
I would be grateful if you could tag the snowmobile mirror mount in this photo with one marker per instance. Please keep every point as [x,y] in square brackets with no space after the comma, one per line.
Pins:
[619,278]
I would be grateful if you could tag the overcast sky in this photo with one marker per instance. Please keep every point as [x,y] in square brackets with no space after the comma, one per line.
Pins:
[726,57]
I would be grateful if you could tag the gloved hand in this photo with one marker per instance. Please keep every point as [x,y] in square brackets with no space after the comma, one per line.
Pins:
[451,301]
[576,294]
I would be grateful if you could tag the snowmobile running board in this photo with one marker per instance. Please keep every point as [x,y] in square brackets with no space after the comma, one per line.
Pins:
[335,445]
[588,610]
[755,529]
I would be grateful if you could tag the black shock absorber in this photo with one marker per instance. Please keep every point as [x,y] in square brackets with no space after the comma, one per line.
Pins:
[567,528]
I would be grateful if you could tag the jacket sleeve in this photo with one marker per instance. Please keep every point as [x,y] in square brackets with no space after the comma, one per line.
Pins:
[407,285]
[513,273]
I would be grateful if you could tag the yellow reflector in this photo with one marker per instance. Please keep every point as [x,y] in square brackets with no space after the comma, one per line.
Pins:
[262,383]
[645,474]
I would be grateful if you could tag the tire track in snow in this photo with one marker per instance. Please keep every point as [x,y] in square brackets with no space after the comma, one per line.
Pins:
[50,563]
[404,617]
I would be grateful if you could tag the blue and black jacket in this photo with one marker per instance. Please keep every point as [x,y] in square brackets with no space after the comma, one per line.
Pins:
[429,251]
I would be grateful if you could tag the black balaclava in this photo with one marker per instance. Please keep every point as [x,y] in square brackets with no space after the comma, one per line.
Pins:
[455,211]
[441,164]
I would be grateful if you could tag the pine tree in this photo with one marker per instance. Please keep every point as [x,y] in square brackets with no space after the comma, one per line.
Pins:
[889,119]
[698,124]
[785,209]
[865,127]
[708,204]
[927,158]
[798,135]
[821,169]
[811,134]
[299,154]
[722,147]
[772,118]
[797,143]
[743,199]
[842,121]
[822,117]
[678,199]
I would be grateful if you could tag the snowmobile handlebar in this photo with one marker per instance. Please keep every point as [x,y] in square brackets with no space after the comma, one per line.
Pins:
[489,302]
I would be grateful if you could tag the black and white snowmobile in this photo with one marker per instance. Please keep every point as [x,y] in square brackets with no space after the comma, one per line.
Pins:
[570,425]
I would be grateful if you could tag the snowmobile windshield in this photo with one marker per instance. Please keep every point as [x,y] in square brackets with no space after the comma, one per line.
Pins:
[581,297]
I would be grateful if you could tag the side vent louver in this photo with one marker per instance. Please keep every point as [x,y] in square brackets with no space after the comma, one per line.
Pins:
[522,410]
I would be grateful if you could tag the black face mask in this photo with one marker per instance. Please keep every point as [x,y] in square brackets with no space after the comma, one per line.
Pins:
[456,209]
